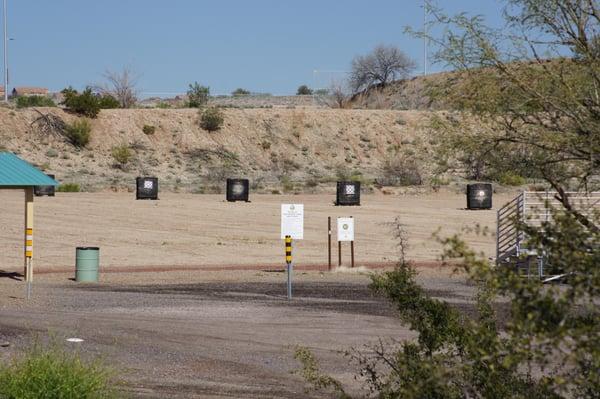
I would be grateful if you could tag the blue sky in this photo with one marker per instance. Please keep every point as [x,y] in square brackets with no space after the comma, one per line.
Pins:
[261,45]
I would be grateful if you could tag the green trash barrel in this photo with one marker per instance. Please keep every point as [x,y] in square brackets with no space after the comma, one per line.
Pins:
[87,261]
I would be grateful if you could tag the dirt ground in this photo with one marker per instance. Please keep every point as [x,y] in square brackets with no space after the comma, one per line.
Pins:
[191,301]
[212,334]
[204,230]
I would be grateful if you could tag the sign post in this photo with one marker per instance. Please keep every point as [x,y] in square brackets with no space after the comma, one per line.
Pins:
[292,227]
[329,243]
[345,232]
[288,261]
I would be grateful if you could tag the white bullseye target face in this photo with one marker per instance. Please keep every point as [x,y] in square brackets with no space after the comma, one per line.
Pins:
[238,189]
[148,184]
[350,190]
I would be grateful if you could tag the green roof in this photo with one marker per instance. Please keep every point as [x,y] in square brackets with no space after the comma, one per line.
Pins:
[15,172]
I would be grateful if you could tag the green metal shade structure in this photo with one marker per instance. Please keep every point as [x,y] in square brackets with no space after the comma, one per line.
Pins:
[16,173]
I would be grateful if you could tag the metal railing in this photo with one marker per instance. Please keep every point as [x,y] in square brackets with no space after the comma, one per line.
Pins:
[533,208]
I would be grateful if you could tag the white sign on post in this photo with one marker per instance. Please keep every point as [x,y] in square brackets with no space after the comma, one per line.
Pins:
[345,229]
[292,221]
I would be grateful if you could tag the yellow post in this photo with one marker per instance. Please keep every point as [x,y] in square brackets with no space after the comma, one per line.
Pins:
[28,234]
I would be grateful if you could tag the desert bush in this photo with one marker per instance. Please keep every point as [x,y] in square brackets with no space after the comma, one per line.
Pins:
[86,103]
[265,144]
[55,373]
[120,86]
[546,345]
[198,95]
[401,170]
[78,132]
[122,155]
[511,179]
[211,119]
[68,188]
[51,153]
[240,92]
[34,101]
[287,185]
[149,130]
[107,101]
[304,90]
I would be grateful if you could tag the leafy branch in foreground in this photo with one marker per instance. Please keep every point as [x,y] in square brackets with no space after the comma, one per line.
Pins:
[546,344]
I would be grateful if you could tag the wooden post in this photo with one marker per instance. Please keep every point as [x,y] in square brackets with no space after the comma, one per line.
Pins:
[28,230]
[329,243]
[339,253]
[352,252]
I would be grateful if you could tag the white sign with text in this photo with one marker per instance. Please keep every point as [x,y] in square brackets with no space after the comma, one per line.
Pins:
[292,221]
[345,229]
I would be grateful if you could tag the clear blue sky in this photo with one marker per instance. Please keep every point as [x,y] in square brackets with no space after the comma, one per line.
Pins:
[261,45]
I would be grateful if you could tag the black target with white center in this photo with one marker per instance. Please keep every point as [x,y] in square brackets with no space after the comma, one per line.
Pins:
[40,191]
[238,190]
[146,188]
[479,196]
[348,193]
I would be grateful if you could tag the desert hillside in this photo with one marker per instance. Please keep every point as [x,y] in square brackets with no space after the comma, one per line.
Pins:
[280,149]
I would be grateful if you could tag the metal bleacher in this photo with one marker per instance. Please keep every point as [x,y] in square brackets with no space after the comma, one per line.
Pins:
[532,208]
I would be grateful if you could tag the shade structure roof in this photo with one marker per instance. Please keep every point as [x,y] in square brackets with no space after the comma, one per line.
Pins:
[15,172]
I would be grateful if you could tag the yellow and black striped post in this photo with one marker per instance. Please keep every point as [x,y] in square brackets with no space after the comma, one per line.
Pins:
[29,243]
[28,238]
[288,261]
[288,249]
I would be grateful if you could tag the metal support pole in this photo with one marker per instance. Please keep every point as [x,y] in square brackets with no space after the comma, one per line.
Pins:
[288,261]
[289,281]
[352,252]
[329,243]
[5,54]
[28,242]
[339,253]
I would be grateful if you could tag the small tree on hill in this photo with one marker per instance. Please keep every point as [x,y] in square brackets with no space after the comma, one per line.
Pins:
[198,95]
[122,86]
[240,92]
[304,90]
[383,65]
[86,103]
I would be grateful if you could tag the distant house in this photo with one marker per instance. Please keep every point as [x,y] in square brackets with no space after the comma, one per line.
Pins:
[29,91]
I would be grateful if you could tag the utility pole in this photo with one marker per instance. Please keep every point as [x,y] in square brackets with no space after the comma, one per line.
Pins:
[5,56]
[425,40]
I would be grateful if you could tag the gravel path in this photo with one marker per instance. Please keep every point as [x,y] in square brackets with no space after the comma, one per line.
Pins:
[212,334]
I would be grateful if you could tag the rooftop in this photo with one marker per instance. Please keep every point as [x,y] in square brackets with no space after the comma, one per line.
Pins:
[15,172]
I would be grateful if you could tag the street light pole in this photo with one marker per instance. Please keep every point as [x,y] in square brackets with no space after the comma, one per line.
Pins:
[425,40]
[5,57]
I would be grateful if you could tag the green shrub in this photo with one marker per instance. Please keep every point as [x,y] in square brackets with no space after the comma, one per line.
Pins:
[68,188]
[51,153]
[86,103]
[34,101]
[149,129]
[211,119]
[78,132]
[55,373]
[121,154]
[163,105]
[304,90]
[198,95]
[401,170]
[511,179]
[240,92]
[106,101]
